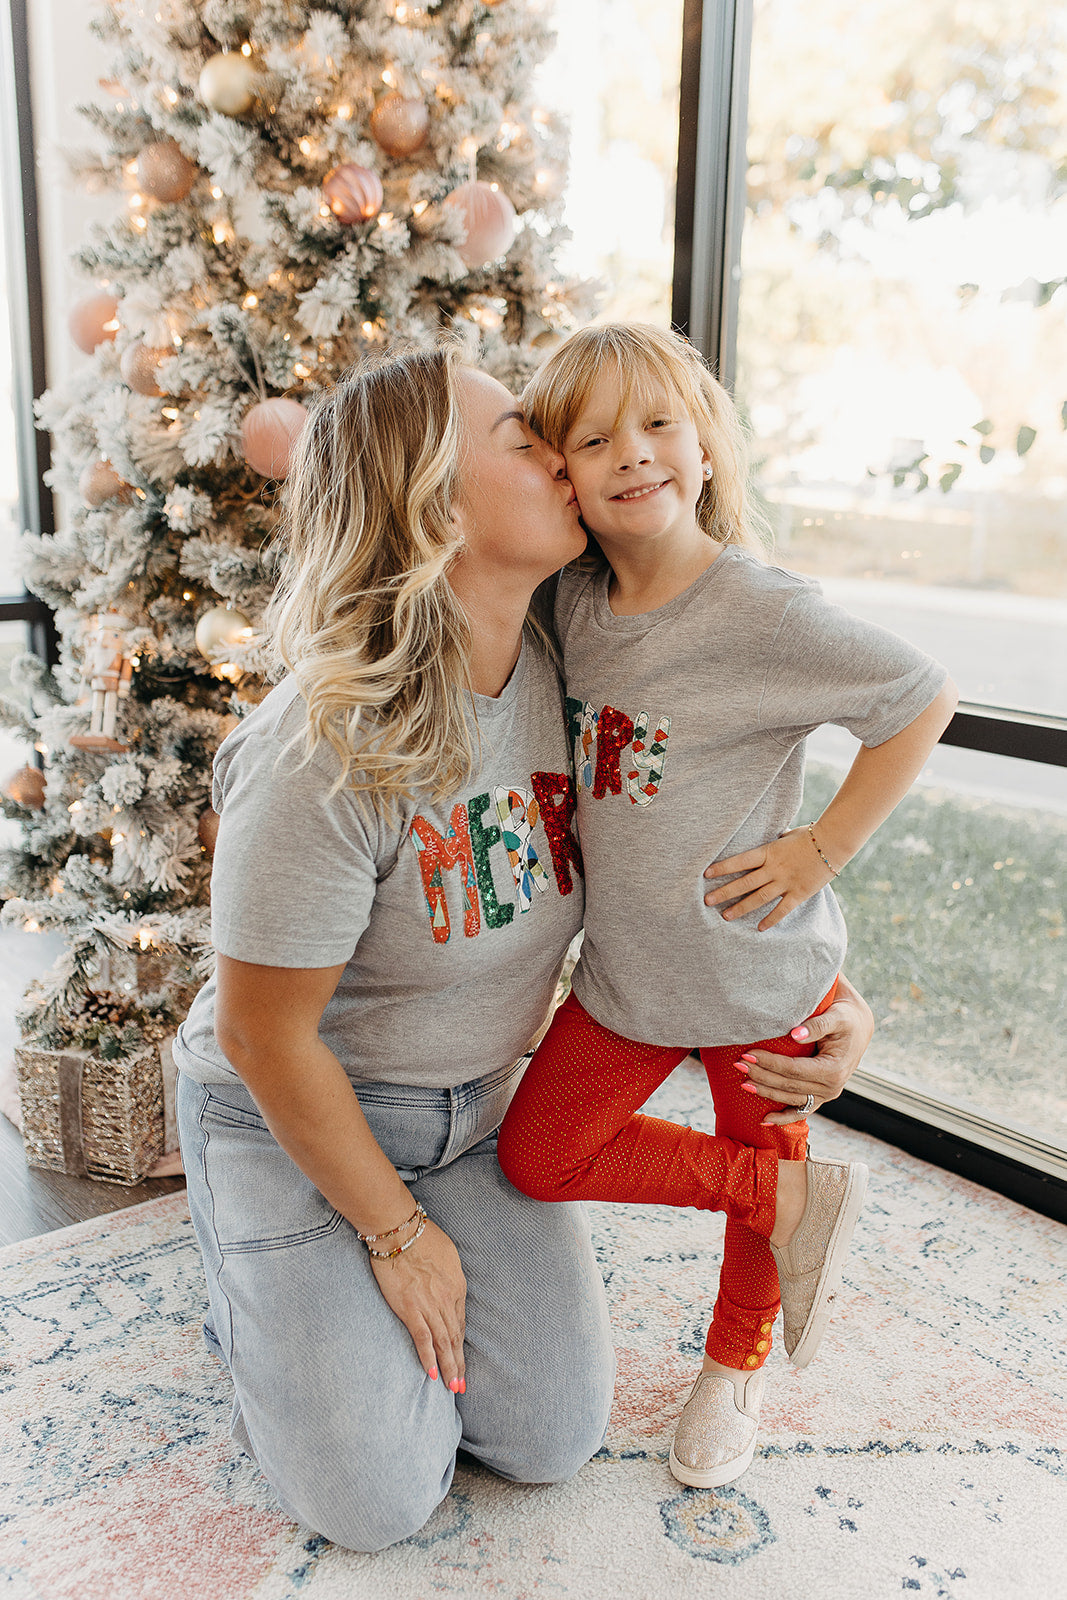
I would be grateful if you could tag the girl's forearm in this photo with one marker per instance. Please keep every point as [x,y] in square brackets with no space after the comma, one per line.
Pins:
[878,780]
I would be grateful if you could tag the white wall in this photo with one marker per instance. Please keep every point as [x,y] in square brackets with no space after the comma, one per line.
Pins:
[67,62]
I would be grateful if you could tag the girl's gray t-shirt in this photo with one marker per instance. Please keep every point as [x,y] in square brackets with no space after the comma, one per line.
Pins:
[687,727]
[452,918]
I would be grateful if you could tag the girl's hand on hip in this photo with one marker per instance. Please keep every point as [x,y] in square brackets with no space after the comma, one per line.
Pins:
[426,1289]
[789,870]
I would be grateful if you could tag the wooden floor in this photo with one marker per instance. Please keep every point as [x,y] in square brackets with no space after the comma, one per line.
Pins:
[32,1201]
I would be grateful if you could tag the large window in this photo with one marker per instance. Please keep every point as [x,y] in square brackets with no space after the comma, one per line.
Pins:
[901,354]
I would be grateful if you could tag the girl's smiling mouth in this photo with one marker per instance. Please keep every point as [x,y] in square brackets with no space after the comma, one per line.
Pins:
[640,493]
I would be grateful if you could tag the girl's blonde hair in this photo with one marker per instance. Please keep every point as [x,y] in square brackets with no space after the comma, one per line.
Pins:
[363,615]
[650,362]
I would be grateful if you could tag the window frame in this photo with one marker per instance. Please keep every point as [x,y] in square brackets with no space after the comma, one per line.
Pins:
[709,218]
[26,311]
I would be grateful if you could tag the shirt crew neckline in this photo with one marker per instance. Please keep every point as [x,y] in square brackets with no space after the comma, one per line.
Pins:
[644,621]
[489,706]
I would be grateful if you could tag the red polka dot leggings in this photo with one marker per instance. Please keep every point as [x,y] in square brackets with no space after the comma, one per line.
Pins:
[573,1132]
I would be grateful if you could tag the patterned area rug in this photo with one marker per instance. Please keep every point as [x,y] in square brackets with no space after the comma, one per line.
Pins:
[923,1454]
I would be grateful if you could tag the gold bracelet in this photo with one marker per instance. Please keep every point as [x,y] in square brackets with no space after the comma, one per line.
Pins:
[387,1255]
[375,1238]
[832,871]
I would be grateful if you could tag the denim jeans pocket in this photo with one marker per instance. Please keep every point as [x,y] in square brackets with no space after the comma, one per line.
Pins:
[260,1198]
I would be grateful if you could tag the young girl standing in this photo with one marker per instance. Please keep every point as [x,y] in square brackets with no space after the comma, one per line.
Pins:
[694,672]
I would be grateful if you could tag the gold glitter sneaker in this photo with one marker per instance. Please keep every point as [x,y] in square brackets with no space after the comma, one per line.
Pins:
[716,1435]
[810,1265]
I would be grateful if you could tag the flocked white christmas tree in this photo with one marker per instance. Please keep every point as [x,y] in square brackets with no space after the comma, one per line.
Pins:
[296,185]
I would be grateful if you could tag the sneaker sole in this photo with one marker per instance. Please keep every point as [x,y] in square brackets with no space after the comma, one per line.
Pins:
[833,1267]
[712,1477]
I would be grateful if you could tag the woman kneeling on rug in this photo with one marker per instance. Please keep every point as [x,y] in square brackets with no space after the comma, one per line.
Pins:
[396,882]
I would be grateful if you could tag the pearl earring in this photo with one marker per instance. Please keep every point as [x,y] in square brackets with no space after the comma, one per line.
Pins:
[708,469]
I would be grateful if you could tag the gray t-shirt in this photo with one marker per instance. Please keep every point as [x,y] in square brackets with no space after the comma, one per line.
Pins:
[452,918]
[688,725]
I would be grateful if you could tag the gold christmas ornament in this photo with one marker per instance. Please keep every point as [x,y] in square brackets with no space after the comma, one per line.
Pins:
[353,193]
[269,432]
[207,829]
[489,218]
[228,83]
[164,172]
[92,320]
[139,366]
[221,627]
[100,482]
[26,788]
[400,126]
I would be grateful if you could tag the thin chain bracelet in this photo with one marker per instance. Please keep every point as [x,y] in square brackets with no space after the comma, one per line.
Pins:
[831,870]
[375,1238]
[387,1255]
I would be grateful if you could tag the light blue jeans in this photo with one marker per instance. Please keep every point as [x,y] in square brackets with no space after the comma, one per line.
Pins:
[330,1398]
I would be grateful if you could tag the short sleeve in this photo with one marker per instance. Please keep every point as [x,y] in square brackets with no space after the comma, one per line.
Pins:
[826,665]
[294,873]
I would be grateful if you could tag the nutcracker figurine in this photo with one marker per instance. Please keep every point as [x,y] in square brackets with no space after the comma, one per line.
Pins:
[107,668]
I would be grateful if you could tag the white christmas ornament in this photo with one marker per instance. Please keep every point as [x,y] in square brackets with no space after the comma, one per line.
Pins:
[269,432]
[220,627]
[228,83]
[489,218]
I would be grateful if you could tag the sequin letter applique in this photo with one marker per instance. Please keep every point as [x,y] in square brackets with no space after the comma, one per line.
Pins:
[643,781]
[437,856]
[518,813]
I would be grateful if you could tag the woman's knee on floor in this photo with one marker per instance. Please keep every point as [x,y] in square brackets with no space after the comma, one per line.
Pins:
[365,1505]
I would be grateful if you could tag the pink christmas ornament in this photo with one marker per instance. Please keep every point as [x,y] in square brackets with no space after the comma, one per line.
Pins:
[92,320]
[489,217]
[139,366]
[269,432]
[353,194]
[400,126]
[100,482]
[164,172]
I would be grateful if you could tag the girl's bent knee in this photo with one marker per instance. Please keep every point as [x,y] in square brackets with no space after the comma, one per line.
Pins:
[528,1169]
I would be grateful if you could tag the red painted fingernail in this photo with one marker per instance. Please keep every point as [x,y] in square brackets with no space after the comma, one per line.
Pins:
[462,1385]
[454,1386]
[751,1060]
[749,1088]
[799,1033]
[432,1374]
[740,1065]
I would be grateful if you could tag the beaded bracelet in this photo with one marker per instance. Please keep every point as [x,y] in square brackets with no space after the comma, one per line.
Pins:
[831,870]
[376,1238]
[387,1255]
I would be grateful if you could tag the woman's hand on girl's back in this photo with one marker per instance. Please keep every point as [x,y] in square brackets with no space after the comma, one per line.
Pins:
[426,1289]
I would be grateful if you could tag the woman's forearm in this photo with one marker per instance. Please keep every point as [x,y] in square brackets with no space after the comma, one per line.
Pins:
[310,1107]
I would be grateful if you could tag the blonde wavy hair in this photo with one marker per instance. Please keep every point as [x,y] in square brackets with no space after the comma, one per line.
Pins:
[650,363]
[363,615]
